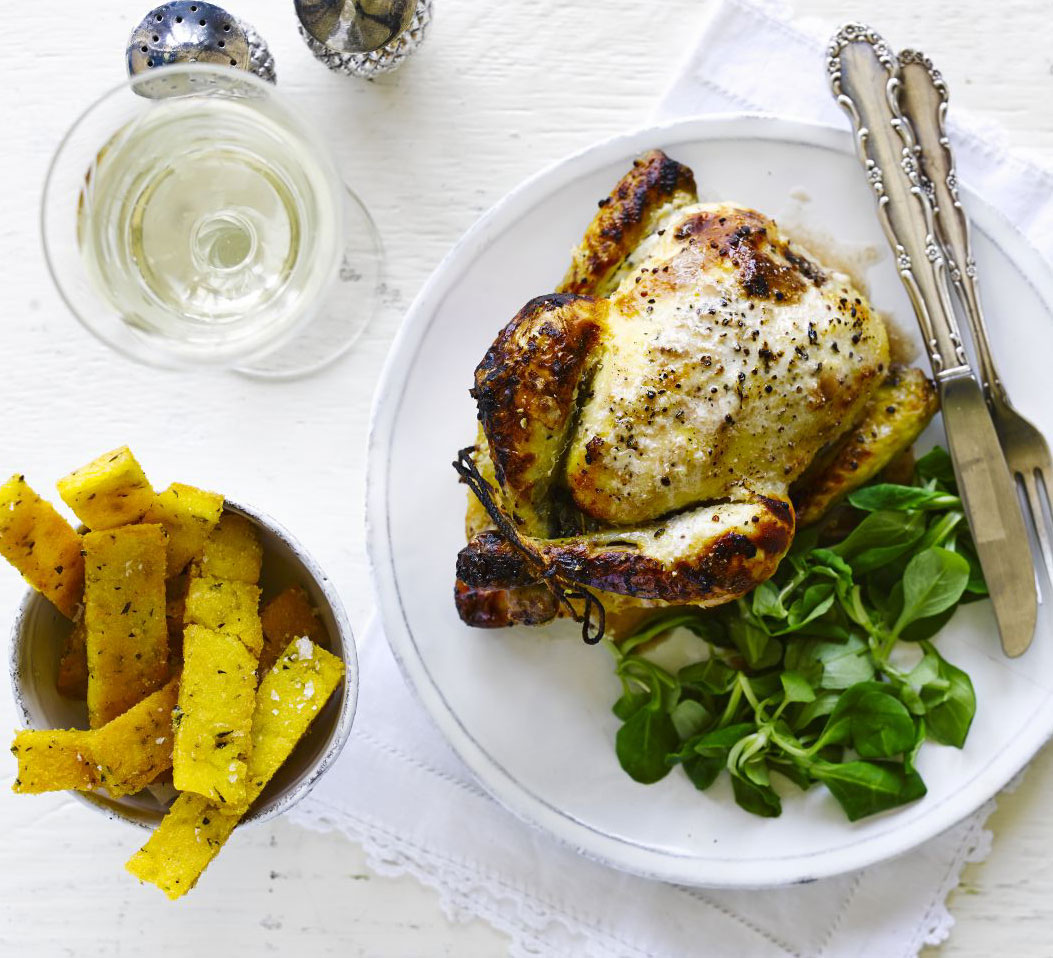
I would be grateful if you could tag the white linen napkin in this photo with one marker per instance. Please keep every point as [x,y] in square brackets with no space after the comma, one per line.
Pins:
[401,792]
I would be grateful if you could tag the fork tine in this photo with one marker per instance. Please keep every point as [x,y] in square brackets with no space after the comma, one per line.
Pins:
[1032,481]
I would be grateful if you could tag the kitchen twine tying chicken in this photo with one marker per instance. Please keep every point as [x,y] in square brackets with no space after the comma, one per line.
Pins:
[561,587]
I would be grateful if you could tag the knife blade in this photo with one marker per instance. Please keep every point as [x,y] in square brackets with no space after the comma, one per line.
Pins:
[863,74]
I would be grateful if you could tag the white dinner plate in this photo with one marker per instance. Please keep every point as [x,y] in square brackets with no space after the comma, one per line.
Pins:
[529,710]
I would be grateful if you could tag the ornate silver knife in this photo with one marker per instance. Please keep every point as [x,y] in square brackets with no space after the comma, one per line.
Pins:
[863,75]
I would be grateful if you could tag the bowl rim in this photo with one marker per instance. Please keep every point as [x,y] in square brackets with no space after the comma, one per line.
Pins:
[341,729]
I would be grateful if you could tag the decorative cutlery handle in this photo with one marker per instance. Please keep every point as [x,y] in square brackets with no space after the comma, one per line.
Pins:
[923,98]
[864,79]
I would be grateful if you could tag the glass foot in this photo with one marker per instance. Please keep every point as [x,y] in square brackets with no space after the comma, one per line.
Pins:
[345,311]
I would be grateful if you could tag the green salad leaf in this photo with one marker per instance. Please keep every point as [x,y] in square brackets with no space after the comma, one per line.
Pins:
[643,743]
[798,680]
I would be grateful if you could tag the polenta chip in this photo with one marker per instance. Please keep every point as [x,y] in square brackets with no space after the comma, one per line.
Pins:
[233,551]
[194,829]
[290,696]
[123,756]
[108,492]
[183,845]
[226,606]
[189,515]
[124,611]
[221,649]
[289,615]
[136,747]
[73,666]
[214,720]
[53,760]
[175,610]
[41,545]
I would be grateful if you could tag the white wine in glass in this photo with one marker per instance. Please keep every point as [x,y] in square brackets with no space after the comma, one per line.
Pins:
[210,227]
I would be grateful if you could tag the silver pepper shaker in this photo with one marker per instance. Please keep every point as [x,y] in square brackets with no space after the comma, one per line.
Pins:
[192,31]
[363,38]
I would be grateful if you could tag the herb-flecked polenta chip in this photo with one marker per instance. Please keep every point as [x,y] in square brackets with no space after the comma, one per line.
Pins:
[41,545]
[137,746]
[214,721]
[189,515]
[233,551]
[123,756]
[175,611]
[51,760]
[289,615]
[194,830]
[108,492]
[289,697]
[183,845]
[124,611]
[226,606]
[72,679]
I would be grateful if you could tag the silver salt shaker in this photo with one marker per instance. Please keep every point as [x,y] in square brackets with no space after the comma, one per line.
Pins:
[192,31]
[363,38]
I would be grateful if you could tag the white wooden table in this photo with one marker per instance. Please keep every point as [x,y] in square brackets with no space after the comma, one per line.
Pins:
[499,90]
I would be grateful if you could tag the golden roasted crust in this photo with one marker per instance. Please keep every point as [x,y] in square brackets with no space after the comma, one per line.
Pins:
[526,390]
[724,566]
[655,186]
[899,410]
[749,243]
[704,557]
[490,561]
[503,606]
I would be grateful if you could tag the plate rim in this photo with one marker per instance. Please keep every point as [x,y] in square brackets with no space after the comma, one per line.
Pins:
[533,810]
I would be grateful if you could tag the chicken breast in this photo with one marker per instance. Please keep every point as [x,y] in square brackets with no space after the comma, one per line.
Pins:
[728,360]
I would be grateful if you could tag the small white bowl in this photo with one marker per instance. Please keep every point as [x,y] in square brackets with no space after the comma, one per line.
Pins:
[39,637]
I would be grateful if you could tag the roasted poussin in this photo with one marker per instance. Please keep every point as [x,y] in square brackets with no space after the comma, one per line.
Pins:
[646,431]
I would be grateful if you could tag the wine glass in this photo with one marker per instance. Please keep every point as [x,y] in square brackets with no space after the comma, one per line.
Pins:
[191,218]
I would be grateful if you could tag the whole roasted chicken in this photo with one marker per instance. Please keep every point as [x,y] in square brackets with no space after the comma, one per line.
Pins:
[654,432]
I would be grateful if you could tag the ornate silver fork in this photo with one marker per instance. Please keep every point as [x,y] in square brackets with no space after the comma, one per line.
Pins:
[923,98]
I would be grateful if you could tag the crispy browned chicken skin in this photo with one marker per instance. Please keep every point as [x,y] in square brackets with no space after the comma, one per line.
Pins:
[642,427]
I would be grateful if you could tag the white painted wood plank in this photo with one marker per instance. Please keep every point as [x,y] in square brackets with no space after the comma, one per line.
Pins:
[498,91]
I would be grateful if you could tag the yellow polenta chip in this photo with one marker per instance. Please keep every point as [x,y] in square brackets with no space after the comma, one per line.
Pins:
[221,648]
[123,756]
[183,845]
[194,829]
[108,492]
[214,719]
[189,515]
[124,611]
[137,746]
[52,760]
[73,666]
[289,615]
[41,545]
[226,606]
[175,610]
[233,551]
[290,695]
